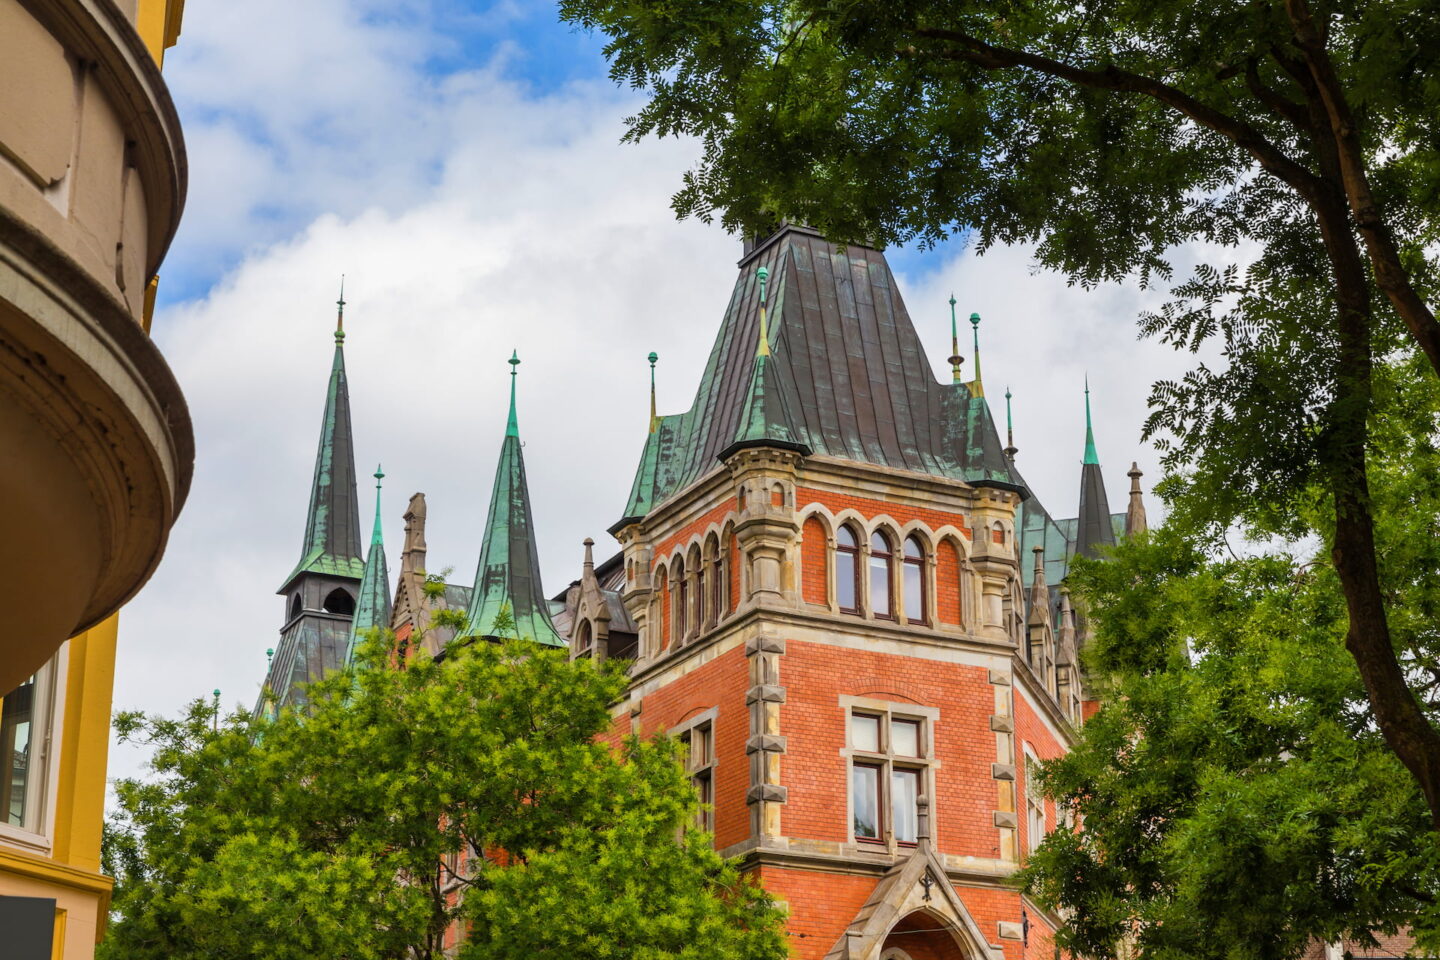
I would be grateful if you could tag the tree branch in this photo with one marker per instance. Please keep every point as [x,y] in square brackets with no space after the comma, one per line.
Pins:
[1271,158]
[1390,274]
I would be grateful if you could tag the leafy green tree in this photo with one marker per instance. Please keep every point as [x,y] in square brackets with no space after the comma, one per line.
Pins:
[473,789]
[1303,135]
[1235,795]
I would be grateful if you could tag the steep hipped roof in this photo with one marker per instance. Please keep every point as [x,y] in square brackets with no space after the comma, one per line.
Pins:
[846,376]
[372,607]
[332,527]
[508,575]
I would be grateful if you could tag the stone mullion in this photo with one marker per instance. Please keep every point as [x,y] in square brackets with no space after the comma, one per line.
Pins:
[765,744]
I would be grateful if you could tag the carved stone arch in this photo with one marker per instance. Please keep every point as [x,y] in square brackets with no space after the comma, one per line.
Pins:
[952,532]
[895,953]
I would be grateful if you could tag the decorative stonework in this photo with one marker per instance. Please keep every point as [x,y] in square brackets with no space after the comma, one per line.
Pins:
[1002,771]
[765,745]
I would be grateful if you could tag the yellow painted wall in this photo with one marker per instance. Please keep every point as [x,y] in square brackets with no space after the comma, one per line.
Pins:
[158,22]
[85,746]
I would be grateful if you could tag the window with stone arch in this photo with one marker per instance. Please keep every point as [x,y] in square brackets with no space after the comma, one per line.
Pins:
[584,639]
[682,601]
[949,583]
[814,562]
[661,630]
[912,580]
[882,576]
[715,578]
[847,569]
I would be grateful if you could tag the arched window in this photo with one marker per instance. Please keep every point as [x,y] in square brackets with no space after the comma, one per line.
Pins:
[338,601]
[682,608]
[881,555]
[847,570]
[716,596]
[914,580]
[696,616]
[295,607]
[584,638]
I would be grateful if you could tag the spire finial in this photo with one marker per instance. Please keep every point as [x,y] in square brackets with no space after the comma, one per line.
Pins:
[975,327]
[512,426]
[1090,455]
[340,314]
[955,358]
[763,350]
[654,419]
[1010,449]
[375,536]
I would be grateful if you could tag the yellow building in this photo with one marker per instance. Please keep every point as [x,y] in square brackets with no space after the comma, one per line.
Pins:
[96,449]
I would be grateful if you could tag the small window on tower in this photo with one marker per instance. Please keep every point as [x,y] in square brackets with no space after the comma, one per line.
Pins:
[338,601]
[295,607]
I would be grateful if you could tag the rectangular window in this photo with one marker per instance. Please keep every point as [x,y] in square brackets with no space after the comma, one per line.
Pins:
[904,803]
[865,799]
[24,716]
[1034,803]
[888,773]
[865,732]
[880,586]
[914,588]
[698,751]
[905,737]
[845,578]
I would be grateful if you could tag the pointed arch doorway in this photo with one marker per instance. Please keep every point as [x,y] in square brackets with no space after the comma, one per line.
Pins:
[923,936]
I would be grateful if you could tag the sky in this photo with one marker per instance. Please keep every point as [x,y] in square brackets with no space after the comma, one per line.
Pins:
[460,164]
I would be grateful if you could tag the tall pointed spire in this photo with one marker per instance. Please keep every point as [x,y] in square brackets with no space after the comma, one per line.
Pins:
[372,606]
[332,525]
[340,313]
[508,574]
[979,385]
[1090,455]
[654,417]
[955,359]
[1095,528]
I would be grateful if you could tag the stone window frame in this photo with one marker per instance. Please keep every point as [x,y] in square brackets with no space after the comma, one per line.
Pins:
[683,732]
[42,781]
[927,763]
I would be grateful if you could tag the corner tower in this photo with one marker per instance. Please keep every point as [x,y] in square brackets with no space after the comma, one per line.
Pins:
[322,591]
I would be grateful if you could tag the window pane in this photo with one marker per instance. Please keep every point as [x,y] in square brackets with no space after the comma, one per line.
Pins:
[845,581]
[879,586]
[17,724]
[865,797]
[912,549]
[878,544]
[700,746]
[845,537]
[865,732]
[905,738]
[904,810]
[914,592]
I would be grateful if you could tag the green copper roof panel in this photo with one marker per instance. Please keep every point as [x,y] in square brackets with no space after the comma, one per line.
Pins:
[332,526]
[372,606]
[508,574]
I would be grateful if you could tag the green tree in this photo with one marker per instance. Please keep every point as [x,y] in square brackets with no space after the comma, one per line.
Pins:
[470,788]
[1300,133]
[1236,797]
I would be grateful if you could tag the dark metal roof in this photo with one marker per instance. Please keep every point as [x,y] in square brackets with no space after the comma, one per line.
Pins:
[846,377]
[372,606]
[332,542]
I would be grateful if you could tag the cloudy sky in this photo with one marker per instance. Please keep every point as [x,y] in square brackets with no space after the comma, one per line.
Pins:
[460,164]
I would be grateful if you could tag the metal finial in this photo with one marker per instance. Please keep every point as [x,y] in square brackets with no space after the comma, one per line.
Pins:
[654,418]
[1091,456]
[763,350]
[379,474]
[512,426]
[955,358]
[975,327]
[1010,449]
[269,654]
[340,314]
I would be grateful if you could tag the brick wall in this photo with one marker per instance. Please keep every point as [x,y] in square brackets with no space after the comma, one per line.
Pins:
[870,508]
[947,584]
[814,563]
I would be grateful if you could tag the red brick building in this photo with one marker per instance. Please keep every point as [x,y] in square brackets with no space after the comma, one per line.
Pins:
[836,589]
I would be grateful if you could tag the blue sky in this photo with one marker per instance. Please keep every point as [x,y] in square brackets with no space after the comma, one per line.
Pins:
[461,165]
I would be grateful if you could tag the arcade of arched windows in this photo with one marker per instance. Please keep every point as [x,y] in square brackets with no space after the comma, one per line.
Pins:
[695,589]
[881,570]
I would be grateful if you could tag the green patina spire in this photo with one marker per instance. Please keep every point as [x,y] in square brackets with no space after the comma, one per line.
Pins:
[340,314]
[1090,455]
[372,607]
[979,388]
[508,575]
[332,543]
[1010,448]
[764,417]
[955,359]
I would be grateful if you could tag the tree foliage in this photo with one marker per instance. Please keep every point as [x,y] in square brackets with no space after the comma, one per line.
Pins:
[475,789]
[1299,138]
[1236,797]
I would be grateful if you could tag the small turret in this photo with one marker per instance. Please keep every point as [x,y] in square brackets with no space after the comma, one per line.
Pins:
[1135,514]
[372,607]
[1094,528]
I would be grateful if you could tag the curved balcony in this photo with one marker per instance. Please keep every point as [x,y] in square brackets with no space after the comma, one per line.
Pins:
[96,449]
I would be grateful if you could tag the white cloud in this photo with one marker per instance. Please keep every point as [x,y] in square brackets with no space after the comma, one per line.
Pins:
[521,223]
